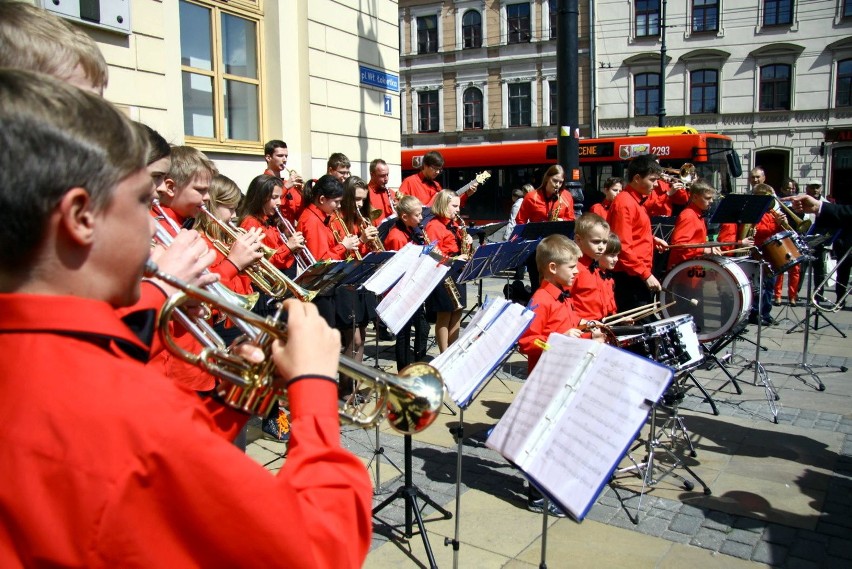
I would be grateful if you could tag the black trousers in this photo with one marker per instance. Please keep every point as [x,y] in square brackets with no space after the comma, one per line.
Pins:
[630,291]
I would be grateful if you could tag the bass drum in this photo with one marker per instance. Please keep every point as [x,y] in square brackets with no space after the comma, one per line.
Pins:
[720,289]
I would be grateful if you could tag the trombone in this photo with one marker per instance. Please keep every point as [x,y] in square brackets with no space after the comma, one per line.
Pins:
[799,225]
[262,273]
[411,400]
[304,258]
[820,289]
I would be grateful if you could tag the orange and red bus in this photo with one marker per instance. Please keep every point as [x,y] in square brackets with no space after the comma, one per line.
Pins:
[514,164]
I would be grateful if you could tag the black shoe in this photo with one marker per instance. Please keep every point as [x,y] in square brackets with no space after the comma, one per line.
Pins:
[386,335]
[752,318]
[769,322]
[276,426]
[776,302]
[537,506]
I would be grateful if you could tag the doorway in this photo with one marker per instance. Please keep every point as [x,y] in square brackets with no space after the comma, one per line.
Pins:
[776,164]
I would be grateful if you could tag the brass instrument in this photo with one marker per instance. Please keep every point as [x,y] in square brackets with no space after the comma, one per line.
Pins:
[820,289]
[265,276]
[297,179]
[346,233]
[687,174]
[449,283]
[375,243]
[304,258]
[164,237]
[799,225]
[411,400]
[464,247]
[557,209]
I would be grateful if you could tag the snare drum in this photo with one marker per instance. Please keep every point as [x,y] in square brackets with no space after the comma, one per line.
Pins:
[782,252]
[675,342]
[721,289]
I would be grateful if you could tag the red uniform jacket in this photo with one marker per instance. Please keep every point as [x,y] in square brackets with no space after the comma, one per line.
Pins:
[660,202]
[551,315]
[283,257]
[314,225]
[415,185]
[292,202]
[588,292]
[601,208]
[536,207]
[609,292]
[446,233]
[629,220]
[337,224]
[380,199]
[399,236]
[106,464]
[689,228]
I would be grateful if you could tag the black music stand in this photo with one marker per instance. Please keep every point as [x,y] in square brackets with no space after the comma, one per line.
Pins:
[536,231]
[411,495]
[741,208]
[323,276]
[484,231]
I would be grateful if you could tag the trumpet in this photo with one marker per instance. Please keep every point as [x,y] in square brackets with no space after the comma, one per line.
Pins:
[304,258]
[411,400]
[262,273]
[687,174]
[375,243]
[339,238]
[287,173]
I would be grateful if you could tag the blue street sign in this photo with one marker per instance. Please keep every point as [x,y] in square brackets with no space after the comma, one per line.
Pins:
[380,79]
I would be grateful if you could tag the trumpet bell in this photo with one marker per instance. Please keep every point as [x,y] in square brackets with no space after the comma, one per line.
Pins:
[415,398]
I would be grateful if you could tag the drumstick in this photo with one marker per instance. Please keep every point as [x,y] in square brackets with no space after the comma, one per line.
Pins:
[740,250]
[607,319]
[692,301]
[640,315]
[705,244]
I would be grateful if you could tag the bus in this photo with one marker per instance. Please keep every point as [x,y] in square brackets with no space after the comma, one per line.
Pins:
[514,164]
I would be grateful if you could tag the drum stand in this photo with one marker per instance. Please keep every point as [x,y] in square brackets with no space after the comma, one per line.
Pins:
[804,365]
[816,313]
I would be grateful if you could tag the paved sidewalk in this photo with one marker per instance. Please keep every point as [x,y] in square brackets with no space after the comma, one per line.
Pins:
[781,493]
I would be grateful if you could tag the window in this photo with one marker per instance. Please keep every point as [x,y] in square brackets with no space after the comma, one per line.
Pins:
[427,34]
[472,99]
[472,29]
[520,104]
[427,109]
[775,87]
[704,91]
[647,94]
[847,8]
[844,84]
[647,18]
[220,74]
[554,9]
[705,15]
[777,12]
[553,102]
[518,22]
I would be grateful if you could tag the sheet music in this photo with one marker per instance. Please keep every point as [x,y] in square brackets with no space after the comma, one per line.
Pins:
[483,344]
[403,300]
[575,416]
[389,273]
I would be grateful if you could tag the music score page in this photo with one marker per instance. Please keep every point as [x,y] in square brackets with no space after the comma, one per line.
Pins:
[575,416]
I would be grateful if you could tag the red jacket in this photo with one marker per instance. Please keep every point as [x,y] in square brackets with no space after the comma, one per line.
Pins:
[588,293]
[689,228]
[415,185]
[292,201]
[107,464]
[380,199]
[537,208]
[551,315]
[314,225]
[601,208]
[446,233]
[272,238]
[629,220]
[399,236]
[660,202]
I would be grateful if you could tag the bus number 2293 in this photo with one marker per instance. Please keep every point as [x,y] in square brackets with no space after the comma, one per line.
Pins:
[661,150]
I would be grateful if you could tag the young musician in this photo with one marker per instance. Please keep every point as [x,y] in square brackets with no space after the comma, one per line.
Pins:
[794,274]
[634,281]
[607,263]
[665,195]
[142,462]
[256,212]
[691,227]
[406,229]
[612,187]
[339,166]
[381,197]
[276,154]
[548,202]
[452,238]
[769,225]
[588,293]
[424,185]
[557,257]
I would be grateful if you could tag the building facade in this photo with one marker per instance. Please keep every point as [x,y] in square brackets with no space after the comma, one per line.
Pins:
[228,76]
[775,75]
[482,71]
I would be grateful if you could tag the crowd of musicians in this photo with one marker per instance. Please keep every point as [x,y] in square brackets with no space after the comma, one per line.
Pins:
[117,452]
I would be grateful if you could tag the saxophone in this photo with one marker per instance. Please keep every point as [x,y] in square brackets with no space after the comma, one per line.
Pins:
[449,284]
[557,209]
[464,247]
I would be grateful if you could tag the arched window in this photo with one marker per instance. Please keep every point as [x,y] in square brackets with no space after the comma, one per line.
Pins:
[646,91]
[472,29]
[775,87]
[472,99]
[843,98]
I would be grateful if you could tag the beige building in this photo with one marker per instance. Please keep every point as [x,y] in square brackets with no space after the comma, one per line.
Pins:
[483,71]
[228,76]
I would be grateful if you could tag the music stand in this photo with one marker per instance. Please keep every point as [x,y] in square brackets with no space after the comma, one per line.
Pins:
[536,231]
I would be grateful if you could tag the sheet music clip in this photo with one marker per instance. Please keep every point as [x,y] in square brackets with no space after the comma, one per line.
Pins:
[742,208]
[542,344]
